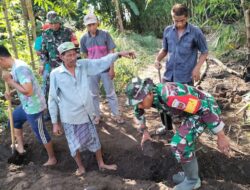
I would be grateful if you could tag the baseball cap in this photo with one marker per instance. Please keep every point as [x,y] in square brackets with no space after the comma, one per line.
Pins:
[66,46]
[90,19]
[54,20]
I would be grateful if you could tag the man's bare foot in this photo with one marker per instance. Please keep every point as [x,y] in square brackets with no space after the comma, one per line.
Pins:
[80,172]
[19,149]
[50,162]
[108,167]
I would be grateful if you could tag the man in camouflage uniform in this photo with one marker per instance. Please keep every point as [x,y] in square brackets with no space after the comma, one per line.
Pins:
[51,39]
[199,109]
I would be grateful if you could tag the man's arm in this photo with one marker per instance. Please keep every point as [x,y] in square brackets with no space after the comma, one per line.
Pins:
[141,121]
[162,53]
[223,143]
[53,99]
[25,88]
[112,68]
[201,43]
[53,105]
[196,70]
[96,66]
[83,48]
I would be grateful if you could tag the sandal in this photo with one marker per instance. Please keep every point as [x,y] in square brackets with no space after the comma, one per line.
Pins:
[118,119]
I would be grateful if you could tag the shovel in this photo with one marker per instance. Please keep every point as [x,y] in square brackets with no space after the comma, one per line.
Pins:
[16,157]
[11,120]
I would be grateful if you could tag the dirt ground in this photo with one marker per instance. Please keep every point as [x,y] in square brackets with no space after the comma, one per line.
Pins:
[138,170]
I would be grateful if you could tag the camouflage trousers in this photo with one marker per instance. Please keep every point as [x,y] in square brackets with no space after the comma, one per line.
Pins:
[45,84]
[183,143]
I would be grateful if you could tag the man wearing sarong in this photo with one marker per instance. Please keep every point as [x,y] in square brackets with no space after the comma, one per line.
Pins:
[70,99]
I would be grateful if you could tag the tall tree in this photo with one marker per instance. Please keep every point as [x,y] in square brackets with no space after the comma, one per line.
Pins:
[118,15]
[31,17]
[8,26]
[24,13]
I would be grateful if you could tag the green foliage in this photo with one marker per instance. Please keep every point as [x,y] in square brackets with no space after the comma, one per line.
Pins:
[154,16]
[228,38]
[215,12]
[145,48]
[3,113]
[131,5]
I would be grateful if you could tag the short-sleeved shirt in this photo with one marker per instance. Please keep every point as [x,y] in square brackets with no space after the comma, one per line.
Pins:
[22,74]
[183,52]
[96,46]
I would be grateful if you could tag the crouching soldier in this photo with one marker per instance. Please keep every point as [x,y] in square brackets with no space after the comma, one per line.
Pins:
[200,111]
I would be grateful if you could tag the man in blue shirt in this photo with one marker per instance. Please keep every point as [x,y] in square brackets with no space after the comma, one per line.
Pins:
[181,43]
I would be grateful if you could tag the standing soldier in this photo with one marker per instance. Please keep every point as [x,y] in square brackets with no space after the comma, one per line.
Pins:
[51,39]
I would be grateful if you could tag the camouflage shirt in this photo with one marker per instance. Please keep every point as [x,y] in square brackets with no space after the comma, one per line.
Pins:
[163,91]
[50,41]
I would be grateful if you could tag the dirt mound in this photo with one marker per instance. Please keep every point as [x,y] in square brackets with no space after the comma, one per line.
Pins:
[150,169]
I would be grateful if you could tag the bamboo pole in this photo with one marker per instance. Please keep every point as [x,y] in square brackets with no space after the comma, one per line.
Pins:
[31,17]
[11,120]
[24,11]
[8,26]
[247,19]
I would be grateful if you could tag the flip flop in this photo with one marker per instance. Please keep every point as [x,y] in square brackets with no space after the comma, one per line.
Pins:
[79,174]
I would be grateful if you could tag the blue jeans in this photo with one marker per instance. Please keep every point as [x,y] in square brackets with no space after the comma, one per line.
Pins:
[35,121]
[109,89]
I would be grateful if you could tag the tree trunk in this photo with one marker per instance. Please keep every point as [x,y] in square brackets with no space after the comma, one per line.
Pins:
[8,26]
[118,15]
[247,19]
[24,13]
[31,17]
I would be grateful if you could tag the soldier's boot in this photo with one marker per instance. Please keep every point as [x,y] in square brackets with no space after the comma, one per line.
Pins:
[192,180]
[179,177]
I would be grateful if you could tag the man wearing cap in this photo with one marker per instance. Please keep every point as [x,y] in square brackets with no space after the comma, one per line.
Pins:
[200,111]
[95,44]
[70,99]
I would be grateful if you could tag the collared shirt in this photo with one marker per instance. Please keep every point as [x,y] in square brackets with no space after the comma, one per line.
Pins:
[162,92]
[22,74]
[182,53]
[96,46]
[70,96]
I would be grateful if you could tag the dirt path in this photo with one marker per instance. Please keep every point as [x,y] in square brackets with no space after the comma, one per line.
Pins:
[121,144]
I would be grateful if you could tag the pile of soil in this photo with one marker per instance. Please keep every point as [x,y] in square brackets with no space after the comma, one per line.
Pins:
[150,169]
